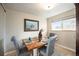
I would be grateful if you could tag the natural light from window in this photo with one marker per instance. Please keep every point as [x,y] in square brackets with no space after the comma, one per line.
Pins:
[68,24]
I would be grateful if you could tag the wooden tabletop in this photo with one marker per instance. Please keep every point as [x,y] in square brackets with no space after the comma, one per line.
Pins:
[33,44]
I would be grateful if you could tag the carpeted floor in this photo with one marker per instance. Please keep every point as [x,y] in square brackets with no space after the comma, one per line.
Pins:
[57,52]
[63,52]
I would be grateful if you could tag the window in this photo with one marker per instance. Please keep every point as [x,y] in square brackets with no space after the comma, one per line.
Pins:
[69,24]
[57,25]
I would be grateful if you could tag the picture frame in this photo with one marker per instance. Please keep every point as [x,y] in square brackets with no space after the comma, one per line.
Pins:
[31,25]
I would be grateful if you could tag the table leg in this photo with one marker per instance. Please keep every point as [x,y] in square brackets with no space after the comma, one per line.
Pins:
[35,53]
[31,52]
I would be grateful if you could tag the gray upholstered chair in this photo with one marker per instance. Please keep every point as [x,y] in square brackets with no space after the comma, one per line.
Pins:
[49,49]
[52,34]
[21,51]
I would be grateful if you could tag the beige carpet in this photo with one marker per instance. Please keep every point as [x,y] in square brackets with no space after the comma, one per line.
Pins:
[57,52]
[63,52]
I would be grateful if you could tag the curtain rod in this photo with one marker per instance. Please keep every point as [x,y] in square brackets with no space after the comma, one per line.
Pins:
[3,7]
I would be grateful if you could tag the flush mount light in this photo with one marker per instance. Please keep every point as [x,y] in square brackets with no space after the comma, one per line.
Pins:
[48,6]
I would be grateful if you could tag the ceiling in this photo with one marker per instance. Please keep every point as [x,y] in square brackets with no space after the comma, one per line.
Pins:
[36,8]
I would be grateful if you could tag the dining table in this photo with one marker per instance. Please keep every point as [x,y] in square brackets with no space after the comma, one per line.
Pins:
[33,46]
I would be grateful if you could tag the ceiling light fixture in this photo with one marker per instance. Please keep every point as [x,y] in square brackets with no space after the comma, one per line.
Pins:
[48,6]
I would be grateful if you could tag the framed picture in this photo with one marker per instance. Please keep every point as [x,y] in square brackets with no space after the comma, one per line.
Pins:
[31,25]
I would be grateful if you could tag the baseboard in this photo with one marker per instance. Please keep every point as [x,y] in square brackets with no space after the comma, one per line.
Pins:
[67,48]
[10,53]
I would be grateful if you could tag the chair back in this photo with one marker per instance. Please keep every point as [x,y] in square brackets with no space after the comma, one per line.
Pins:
[16,45]
[52,34]
[50,46]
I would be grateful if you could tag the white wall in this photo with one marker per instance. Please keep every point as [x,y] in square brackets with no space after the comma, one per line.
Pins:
[15,26]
